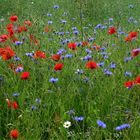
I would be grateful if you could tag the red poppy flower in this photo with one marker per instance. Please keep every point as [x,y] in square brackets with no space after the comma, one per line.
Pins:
[47,29]
[3,38]
[58,66]
[15,105]
[56,57]
[11,104]
[129,84]
[25,75]
[72,45]
[112,30]
[127,39]
[133,34]
[13,18]
[14,134]
[91,65]
[85,43]
[27,22]
[6,53]
[137,80]
[135,52]
[9,27]
[39,54]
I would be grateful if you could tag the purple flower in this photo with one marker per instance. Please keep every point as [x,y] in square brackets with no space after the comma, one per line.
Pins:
[60,51]
[33,107]
[113,65]
[61,33]
[19,69]
[76,32]
[123,126]
[50,22]
[18,43]
[74,28]
[101,64]
[98,26]
[107,72]
[63,21]
[88,51]
[78,119]
[101,124]
[56,6]
[17,58]
[68,56]
[128,73]
[87,58]
[53,80]
[128,59]
[91,39]
[79,71]
[49,15]
[15,94]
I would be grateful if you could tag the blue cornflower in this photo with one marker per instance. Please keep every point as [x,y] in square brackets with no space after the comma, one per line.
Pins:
[37,100]
[63,21]
[107,72]
[128,59]
[110,19]
[53,80]
[101,124]
[105,56]
[103,49]
[78,119]
[33,107]
[29,54]
[123,126]
[88,51]
[50,22]
[103,53]
[101,64]
[113,45]
[91,39]
[113,65]
[79,71]
[87,58]
[68,56]
[79,44]
[60,51]
[49,15]
[15,94]
[19,69]
[56,6]
[98,26]
[74,28]
[16,58]
[18,43]
[130,19]
[61,33]
[128,73]
[76,32]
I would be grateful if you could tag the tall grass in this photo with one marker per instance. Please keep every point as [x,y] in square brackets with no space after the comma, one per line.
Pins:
[92,94]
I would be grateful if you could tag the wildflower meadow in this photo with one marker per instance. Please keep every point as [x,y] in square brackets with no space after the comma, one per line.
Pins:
[70,69]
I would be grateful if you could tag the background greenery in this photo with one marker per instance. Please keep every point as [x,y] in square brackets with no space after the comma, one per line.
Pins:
[103,97]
